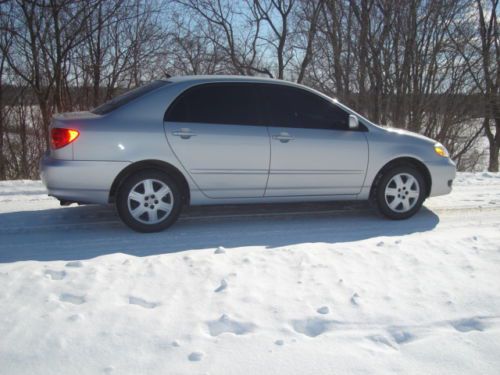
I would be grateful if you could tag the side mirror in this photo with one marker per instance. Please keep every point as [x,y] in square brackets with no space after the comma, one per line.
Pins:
[353,122]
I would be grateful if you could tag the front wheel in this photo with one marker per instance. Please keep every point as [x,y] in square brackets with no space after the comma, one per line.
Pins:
[149,201]
[400,192]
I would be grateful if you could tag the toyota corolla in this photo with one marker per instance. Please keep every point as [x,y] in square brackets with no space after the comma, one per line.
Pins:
[207,140]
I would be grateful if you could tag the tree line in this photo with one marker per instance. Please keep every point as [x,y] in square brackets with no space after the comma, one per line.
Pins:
[431,67]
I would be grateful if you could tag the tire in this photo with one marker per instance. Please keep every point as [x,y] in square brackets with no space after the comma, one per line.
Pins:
[400,192]
[149,212]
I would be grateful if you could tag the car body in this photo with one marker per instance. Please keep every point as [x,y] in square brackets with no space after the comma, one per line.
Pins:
[234,140]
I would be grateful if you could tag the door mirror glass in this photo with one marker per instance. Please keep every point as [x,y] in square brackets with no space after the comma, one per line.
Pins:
[353,122]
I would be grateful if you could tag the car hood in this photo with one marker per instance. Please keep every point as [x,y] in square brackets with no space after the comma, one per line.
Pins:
[408,134]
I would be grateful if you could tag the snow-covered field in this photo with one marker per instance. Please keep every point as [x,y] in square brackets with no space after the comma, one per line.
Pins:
[284,289]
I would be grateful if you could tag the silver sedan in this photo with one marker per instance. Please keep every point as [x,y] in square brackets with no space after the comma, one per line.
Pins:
[231,139]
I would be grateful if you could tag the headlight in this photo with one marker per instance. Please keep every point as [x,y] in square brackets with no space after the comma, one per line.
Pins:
[441,150]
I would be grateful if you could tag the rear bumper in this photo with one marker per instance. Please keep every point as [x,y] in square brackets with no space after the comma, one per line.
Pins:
[79,181]
[443,173]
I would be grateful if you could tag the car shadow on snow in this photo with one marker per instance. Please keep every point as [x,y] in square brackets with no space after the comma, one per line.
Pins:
[83,232]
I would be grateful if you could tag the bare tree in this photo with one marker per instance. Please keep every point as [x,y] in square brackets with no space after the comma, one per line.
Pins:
[420,65]
[478,42]
[489,33]
[5,45]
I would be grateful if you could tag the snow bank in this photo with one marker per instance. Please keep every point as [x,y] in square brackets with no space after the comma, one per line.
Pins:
[411,301]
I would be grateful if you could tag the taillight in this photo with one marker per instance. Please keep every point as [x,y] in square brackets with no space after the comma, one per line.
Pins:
[61,137]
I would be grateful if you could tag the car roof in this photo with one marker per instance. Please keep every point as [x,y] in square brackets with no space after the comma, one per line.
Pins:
[228,78]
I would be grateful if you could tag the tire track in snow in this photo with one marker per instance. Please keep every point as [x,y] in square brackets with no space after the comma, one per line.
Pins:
[115,221]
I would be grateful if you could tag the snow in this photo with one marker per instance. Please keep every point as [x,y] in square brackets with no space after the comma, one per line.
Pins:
[283,289]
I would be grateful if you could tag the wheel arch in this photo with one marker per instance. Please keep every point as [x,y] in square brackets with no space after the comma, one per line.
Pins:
[402,161]
[158,165]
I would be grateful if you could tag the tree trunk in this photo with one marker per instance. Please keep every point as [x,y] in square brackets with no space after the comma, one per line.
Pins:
[493,164]
[24,142]
[494,142]
[2,162]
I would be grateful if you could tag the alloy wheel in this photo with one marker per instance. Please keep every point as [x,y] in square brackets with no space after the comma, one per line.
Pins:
[150,201]
[402,192]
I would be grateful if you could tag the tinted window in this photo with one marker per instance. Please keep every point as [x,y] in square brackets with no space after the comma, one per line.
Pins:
[216,104]
[127,97]
[296,108]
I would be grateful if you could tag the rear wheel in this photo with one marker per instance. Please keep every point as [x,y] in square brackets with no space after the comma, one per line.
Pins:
[149,201]
[400,192]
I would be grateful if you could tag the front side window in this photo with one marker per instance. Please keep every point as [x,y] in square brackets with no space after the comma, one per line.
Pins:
[216,104]
[293,107]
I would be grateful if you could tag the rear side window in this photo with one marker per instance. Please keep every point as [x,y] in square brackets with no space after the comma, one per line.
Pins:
[292,107]
[216,104]
[127,97]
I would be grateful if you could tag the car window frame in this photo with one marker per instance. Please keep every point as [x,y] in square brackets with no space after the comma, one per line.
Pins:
[259,109]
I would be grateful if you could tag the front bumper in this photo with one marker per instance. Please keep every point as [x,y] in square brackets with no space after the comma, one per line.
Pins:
[443,172]
[79,181]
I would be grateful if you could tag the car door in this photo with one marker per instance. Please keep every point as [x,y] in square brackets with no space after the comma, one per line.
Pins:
[215,133]
[312,150]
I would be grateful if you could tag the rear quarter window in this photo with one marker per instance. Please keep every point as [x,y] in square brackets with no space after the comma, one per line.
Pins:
[127,97]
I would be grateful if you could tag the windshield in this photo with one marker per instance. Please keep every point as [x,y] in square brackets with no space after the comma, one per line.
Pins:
[127,97]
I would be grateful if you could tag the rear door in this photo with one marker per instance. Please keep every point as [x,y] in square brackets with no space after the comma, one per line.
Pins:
[215,133]
[312,150]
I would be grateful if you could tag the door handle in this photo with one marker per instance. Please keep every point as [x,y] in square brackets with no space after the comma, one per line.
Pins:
[184,133]
[283,137]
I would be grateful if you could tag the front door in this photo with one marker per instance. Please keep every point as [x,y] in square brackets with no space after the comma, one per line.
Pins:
[313,152]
